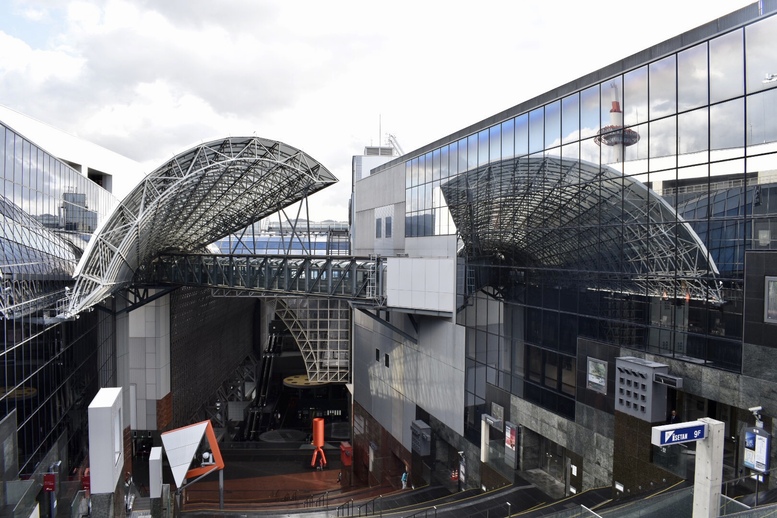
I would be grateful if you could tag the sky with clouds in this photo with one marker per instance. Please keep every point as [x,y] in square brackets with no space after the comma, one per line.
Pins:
[151,78]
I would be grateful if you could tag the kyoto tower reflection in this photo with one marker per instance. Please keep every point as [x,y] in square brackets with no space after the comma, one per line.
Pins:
[614,134]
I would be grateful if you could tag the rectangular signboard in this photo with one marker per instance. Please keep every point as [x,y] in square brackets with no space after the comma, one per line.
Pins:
[49,481]
[757,443]
[678,433]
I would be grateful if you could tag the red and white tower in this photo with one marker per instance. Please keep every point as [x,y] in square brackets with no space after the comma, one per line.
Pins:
[615,135]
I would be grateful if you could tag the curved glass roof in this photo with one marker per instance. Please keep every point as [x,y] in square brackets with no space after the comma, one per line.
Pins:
[574,217]
[191,201]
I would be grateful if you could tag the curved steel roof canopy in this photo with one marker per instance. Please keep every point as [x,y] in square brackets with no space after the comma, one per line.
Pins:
[194,199]
[570,217]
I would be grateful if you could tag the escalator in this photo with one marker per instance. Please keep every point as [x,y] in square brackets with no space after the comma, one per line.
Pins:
[259,416]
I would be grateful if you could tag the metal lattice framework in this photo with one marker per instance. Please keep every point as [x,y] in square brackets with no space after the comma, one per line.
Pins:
[194,199]
[321,328]
[570,217]
[351,278]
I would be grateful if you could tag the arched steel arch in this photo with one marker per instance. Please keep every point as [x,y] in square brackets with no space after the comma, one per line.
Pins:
[570,217]
[322,329]
[192,200]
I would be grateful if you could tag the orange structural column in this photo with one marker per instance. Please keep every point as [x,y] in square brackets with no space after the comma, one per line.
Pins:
[318,432]
[318,442]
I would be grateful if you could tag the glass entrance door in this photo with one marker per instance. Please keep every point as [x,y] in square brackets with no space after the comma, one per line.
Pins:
[554,460]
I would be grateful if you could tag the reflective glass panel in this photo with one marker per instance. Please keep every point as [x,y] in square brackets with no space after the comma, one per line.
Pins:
[589,112]
[692,137]
[427,168]
[761,120]
[522,135]
[436,164]
[727,67]
[536,130]
[508,139]
[463,161]
[692,77]
[590,151]
[472,152]
[760,42]
[483,147]
[453,159]
[612,103]
[727,130]
[552,124]
[570,118]
[444,168]
[663,142]
[637,154]
[663,87]
[495,143]
[635,97]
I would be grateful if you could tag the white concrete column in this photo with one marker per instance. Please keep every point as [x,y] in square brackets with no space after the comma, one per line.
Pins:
[484,435]
[148,359]
[709,470]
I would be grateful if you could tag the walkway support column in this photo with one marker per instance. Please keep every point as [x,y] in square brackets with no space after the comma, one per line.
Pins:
[709,470]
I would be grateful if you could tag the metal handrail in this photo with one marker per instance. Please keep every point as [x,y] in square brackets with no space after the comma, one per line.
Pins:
[366,507]
[317,500]
[346,507]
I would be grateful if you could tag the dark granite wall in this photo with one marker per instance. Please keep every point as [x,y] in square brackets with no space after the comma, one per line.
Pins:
[760,338]
[601,351]
[632,464]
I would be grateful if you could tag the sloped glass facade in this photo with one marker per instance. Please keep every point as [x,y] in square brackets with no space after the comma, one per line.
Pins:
[559,248]
[50,370]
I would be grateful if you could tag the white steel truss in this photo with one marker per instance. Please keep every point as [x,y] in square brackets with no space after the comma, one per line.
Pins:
[194,199]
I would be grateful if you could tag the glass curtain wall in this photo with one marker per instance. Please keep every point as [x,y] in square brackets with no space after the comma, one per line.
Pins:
[50,371]
[699,128]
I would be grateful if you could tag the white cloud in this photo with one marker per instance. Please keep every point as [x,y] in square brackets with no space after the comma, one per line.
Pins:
[149,79]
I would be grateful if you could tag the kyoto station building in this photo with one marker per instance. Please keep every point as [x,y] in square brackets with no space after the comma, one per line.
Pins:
[574,268]
[527,297]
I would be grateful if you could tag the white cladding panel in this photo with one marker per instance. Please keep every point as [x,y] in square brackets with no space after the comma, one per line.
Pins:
[149,359]
[106,440]
[421,283]
[429,374]
[155,472]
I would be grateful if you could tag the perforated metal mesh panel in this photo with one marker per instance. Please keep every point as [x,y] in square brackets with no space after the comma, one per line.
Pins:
[209,338]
